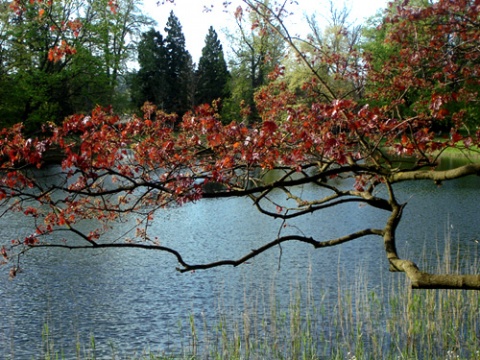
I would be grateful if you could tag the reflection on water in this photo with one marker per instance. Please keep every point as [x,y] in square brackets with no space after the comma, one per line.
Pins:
[136,299]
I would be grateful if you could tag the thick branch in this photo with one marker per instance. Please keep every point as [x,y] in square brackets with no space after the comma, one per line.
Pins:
[420,279]
[423,280]
[437,176]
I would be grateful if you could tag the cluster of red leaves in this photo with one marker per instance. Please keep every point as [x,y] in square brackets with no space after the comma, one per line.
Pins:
[18,7]
[113,4]
[433,78]
[58,53]
[113,166]
[142,152]
[16,149]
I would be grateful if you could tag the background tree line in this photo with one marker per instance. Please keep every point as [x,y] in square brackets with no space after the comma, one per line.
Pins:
[39,85]
[64,57]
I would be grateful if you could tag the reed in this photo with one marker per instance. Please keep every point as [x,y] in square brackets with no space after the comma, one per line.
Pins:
[388,321]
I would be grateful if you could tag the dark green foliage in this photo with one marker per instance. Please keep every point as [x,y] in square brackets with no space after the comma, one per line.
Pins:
[165,77]
[150,81]
[179,70]
[36,86]
[212,73]
[50,93]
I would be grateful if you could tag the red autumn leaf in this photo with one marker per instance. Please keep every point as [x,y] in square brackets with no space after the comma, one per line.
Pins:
[239,13]
[30,240]
[456,137]
[215,140]
[269,127]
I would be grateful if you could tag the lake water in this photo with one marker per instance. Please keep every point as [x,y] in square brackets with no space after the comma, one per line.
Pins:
[136,299]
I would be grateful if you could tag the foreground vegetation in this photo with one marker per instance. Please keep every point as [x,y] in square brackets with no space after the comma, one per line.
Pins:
[390,321]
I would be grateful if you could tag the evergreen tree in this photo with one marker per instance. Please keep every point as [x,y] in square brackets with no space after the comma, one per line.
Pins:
[179,69]
[150,83]
[212,73]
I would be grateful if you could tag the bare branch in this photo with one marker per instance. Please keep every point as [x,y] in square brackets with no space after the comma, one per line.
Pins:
[437,176]
[190,267]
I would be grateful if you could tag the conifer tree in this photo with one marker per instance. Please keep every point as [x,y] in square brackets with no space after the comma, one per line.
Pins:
[150,83]
[212,73]
[179,69]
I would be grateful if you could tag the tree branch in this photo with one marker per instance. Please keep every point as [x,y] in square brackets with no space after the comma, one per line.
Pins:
[437,176]
[423,280]
[255,252]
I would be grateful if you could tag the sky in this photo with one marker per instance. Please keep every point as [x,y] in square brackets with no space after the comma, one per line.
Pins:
[195,21]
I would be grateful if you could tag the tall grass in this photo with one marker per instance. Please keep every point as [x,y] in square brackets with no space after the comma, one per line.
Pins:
[389,321]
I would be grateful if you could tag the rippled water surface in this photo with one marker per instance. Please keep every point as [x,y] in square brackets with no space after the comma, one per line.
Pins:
[136,299]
